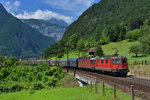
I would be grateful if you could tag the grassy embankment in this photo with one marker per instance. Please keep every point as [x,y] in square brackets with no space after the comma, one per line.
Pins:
[59,93]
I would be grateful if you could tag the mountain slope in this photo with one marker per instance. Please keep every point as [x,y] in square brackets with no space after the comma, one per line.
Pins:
[46,28]
[19,39]
[107,13]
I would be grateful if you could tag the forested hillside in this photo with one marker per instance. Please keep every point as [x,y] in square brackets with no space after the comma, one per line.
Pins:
[19,39]
[110,17]
[105,22]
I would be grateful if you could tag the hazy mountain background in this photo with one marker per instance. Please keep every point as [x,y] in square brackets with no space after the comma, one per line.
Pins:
[52,28]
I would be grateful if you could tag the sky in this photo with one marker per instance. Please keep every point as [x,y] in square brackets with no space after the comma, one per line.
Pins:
[67,10]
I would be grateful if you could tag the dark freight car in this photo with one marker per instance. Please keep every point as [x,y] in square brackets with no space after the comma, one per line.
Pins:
[74,62]
[63,62]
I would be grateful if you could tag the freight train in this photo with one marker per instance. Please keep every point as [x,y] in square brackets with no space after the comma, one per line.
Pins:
[107,64]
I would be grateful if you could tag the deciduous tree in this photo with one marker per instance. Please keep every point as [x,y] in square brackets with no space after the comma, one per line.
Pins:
[80,46]
[136,49]
[73,39]
[99,51]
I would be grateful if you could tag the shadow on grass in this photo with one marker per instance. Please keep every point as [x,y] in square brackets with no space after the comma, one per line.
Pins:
[139,56]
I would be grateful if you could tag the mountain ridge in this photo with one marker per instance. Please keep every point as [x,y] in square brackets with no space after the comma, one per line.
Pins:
[57,22]
[46,28]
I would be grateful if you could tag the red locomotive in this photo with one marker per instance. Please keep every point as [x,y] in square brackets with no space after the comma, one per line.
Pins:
[108,64]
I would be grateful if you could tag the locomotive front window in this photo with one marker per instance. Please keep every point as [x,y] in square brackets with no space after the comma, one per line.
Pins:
[97,61]
[124,60]
[116,61]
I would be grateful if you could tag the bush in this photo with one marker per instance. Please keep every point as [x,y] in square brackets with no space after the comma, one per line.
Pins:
[52,81]
[36,77]
[13,59]
[17,63]
[4,89]
[7,63]
[16,87]
[37,86]
[1,76]
[4,72]
[133,35]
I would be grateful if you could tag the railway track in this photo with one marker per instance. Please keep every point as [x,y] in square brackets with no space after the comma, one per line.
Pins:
[141,86]
[138,80]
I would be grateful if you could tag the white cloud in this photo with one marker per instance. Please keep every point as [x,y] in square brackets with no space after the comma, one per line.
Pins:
[44,14]
[70,5]
[8,3]
[17,3]
[12,6]
[76,6]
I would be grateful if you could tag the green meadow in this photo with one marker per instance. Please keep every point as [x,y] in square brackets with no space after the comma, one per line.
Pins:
[76,93]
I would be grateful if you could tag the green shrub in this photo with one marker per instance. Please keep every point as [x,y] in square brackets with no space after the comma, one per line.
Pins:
[52,81]
[17,63]
[9,62]
[18,77]
[1,76]
[4,72]
[133,35]
[45,79]
[37,86]
[4,89]
[16,87]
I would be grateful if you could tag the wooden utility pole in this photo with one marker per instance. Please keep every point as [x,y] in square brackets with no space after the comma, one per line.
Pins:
[67,55]
[103,88]
[115,91]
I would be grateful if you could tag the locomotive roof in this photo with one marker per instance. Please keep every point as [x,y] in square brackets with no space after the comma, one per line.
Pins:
[73,59]
[87,58]
[63,59]
[103,57]
[113,57]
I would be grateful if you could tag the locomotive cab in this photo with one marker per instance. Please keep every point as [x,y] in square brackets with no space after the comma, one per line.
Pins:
[120,66]
[124,63]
